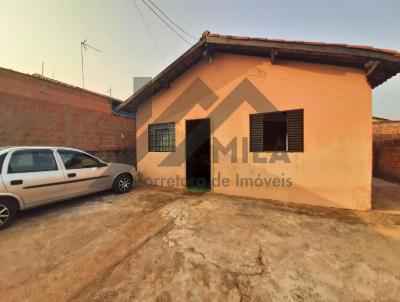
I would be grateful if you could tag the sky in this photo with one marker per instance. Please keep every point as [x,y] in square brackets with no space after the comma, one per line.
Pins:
[50,31]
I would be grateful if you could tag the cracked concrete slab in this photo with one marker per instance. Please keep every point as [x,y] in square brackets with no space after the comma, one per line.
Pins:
[158,244]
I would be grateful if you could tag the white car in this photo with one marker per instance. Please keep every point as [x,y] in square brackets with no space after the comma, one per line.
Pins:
[35,176]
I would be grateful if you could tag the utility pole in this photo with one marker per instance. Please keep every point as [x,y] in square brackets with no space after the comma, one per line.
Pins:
[42,68]
[85,46]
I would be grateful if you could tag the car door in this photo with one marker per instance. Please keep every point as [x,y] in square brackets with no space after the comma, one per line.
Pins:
[84,173]
[34,175]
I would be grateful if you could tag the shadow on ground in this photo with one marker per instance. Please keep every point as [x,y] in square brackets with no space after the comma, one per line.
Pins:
[385,196]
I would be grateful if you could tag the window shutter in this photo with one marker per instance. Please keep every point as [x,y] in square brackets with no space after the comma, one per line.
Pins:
[256,132]
[295,130]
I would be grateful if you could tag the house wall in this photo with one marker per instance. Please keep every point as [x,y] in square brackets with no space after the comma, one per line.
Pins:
[335,168]
[386,147]
[35,112]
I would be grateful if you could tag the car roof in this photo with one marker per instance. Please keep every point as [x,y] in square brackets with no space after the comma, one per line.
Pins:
[7,149]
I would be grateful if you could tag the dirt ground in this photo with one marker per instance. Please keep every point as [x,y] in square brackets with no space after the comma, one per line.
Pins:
[158,244]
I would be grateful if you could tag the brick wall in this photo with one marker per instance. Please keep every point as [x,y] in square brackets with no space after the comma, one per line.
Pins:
[36,111]
[387,150]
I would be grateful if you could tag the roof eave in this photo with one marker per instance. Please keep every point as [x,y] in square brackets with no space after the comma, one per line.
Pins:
[385,63]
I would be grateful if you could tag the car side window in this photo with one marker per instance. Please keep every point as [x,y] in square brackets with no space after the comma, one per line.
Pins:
[25,161]
[77,160]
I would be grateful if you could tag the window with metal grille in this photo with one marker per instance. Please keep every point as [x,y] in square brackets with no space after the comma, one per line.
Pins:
[277,131]
[162,137]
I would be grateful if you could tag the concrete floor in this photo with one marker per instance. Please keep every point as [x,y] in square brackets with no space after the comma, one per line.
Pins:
[157,244]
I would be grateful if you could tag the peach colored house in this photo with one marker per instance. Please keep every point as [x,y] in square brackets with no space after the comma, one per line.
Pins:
[274,119]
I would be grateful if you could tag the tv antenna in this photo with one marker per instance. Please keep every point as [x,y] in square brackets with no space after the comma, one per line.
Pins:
[85,46]
[110,91]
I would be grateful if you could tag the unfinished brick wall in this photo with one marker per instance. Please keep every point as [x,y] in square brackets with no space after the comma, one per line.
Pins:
[36,111]
[387,150]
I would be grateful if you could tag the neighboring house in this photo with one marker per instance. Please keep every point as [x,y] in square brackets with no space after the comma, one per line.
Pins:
[376,119]
[39,111]
[274,119]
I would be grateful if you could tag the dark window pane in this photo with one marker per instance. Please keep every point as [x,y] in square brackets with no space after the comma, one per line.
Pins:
[275,131]
[32,161]
[77,160]
[162,137]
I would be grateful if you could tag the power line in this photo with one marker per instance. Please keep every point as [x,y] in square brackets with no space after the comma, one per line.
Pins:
[148,31]
[169,19]
[166,23]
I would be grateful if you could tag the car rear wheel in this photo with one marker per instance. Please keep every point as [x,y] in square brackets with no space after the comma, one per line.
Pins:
[123,184]
[7,213]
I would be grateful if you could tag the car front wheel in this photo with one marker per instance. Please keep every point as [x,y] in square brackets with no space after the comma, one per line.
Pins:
[7,213]
[123,184]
